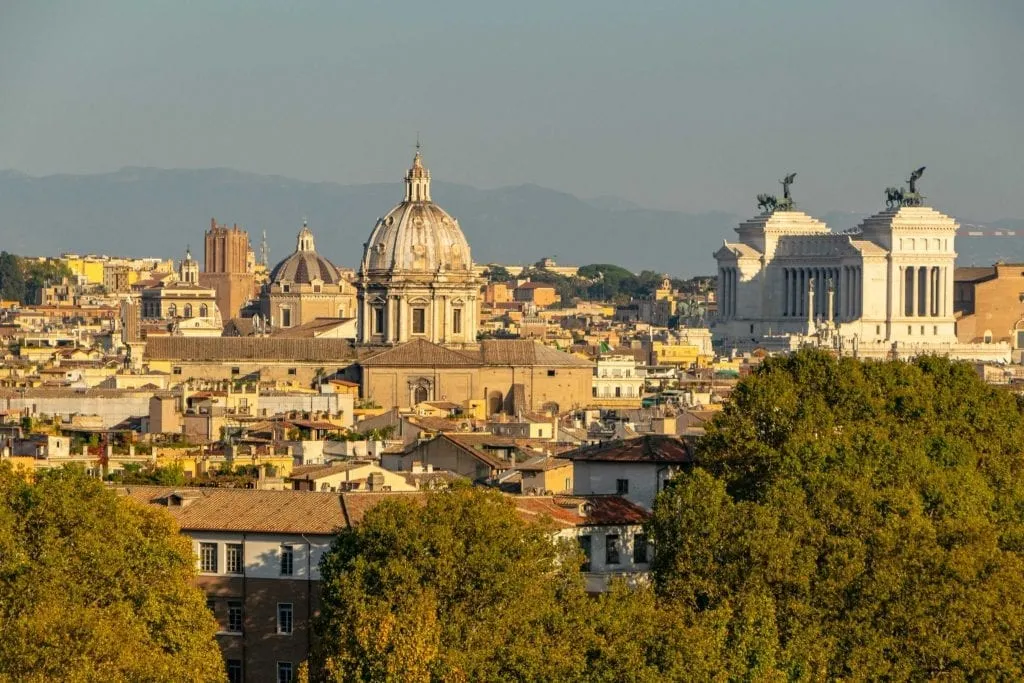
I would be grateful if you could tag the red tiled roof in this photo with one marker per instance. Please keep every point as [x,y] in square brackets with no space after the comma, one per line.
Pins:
[216,509]
[420,353]
[608,510]
[249,348]
[650,448]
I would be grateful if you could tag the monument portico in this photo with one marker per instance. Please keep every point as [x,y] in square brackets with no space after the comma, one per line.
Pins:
[883,288]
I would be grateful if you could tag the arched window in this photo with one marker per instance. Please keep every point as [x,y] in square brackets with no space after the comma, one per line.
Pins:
[204,311]
[188,310]
[420,395]
[172,311]
[494,401]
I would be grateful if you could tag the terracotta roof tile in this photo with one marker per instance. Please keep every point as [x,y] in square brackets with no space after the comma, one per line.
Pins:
[524,352]
[421,353]
[216,509]
[652,448]
[248,348]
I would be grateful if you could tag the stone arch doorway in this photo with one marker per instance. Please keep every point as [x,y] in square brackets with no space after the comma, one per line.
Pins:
[420,389]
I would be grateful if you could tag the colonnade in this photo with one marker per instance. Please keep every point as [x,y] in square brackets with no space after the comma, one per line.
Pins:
[728,279]
[925,291]
[844,281]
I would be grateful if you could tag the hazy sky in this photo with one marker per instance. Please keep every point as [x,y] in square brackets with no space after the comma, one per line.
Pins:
[672,104]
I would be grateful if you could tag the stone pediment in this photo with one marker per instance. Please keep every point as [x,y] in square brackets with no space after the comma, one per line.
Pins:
[420,353]
[736,250]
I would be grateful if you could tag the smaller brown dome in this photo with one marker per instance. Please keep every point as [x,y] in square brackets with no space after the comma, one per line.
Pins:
[305,265]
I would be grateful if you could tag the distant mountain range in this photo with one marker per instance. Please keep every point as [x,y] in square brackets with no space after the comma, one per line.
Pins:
[157,212]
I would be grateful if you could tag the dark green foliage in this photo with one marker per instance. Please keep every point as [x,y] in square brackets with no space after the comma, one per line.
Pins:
[12,279]
[134,473]
[855,520]
[40,274]
[598,282]
[497,274]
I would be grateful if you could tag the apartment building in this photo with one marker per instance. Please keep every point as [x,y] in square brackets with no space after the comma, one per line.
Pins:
[258,558]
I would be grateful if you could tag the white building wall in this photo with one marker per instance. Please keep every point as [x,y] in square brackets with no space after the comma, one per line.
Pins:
[645,479]
[262,553]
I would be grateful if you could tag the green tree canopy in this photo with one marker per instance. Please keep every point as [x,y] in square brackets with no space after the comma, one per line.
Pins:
[12,279]
[497,274]
[95,587]
[854,520]
[40,274]
[457,586]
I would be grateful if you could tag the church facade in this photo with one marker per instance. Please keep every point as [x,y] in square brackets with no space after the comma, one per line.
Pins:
[416,279]
[418,310]
[306,286]
[883,289]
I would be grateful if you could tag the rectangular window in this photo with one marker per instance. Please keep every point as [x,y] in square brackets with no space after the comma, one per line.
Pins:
[208,558]
[233,561]
[284,618]
[235,616]
[551,373]
[176,370]
[587,547]
[235,371]
[611,549]
[378,320]
[286,317]
[640,549]
[457,321]
[234,670]
[419,321]
[622,486]
[284,672]
[287,560]
[293,371]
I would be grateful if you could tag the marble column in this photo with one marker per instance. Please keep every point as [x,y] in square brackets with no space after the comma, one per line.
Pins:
[911,292]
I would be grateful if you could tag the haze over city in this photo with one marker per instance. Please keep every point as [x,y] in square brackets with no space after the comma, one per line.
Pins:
[665,104]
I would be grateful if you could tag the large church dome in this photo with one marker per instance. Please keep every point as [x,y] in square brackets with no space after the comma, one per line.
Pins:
[305,265]
[417,236]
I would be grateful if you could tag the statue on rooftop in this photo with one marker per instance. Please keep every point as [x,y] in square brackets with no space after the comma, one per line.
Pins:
[769,203]
[914,177]
[895,197]
[786,182]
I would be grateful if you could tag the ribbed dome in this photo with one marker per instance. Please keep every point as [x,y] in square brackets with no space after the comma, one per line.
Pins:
[417,236]
[305,265]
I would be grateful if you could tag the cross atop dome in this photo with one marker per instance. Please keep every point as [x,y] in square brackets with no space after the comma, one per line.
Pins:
[417,180]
